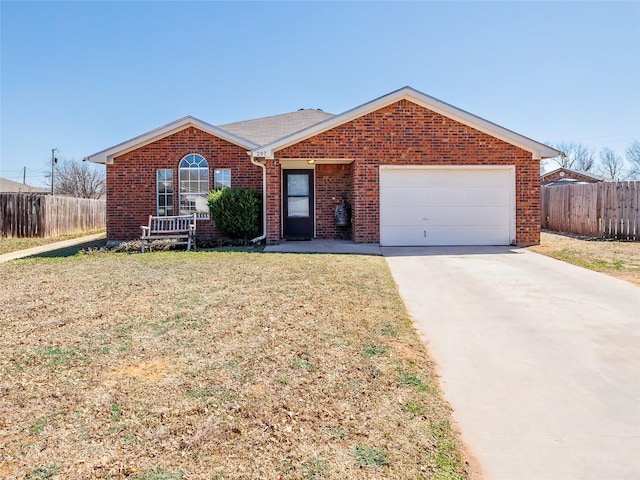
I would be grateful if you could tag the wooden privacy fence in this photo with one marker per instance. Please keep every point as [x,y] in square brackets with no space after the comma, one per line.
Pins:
[605,209]
[37,215]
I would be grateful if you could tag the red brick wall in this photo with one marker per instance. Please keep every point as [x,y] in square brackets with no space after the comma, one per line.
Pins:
[406,134]
[333,184]
[131,179]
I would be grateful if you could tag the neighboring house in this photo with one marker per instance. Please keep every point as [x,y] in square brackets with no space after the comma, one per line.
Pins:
[9,186]
[568,175]
[413,169]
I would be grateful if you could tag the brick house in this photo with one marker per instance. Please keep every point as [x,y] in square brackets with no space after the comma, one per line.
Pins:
[568,175]
[413,170]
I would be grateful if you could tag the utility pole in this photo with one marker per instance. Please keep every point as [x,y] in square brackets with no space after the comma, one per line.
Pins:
[24,175]
[53,162]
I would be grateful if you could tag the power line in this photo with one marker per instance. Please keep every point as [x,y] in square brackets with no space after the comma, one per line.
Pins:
[15,172]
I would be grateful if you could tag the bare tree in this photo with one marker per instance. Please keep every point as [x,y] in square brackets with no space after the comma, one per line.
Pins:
[78,179]
[633,157]
[577,156]
[611,164]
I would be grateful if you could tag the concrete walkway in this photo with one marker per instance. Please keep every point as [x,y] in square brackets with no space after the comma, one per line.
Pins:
[539,359]
[49,247]
[326,246]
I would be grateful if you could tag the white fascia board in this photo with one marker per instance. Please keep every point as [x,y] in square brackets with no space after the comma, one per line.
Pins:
[538,150]
[107,156]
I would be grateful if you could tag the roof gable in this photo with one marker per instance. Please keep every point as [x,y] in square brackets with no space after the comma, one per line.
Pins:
[107,156]
[537,149]
[577,172]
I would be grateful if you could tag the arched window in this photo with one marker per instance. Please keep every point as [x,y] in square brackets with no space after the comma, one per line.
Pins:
[193,172]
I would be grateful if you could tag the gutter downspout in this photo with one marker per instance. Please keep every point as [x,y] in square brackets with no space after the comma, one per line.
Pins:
[264,199]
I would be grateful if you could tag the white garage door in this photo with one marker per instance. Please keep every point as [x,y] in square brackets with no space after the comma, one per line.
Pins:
[447,206]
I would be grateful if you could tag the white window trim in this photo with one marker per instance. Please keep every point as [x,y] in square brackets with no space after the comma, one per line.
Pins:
[214,177]
[200,215]
[158,170]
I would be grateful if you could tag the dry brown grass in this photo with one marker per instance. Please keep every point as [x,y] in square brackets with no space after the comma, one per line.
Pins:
[618,259]
[220,365]
[14,244]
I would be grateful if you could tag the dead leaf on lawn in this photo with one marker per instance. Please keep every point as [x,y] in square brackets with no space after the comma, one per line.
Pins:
[404,351]
[258,390]
[8,468]
[152,371]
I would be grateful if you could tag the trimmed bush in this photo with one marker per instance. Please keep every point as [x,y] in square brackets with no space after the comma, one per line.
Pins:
[236,212]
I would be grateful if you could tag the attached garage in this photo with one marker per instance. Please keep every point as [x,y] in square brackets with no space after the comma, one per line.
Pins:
[447,205]
[414,170]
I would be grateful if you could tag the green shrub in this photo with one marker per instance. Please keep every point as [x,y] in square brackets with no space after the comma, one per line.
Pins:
[236,212]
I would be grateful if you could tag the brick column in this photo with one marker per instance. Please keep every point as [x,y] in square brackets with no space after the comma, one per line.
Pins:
[366,202]
[528,203]
[273,206]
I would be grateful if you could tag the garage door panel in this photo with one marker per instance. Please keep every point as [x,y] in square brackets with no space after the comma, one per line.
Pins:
[410,178]
[442,196]
[447,216]
[485,197]
[435,178]
[442,235]
[446,206]
[415,196]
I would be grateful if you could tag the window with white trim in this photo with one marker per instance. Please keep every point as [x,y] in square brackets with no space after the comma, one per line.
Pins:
[193,174]
[221,178]
[164,192]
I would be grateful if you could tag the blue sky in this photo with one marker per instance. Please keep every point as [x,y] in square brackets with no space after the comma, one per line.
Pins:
[83,76]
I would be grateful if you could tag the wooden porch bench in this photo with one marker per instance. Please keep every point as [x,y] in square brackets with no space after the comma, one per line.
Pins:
[180,227]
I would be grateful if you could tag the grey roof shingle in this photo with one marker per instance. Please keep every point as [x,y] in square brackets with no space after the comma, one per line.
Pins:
[266,129]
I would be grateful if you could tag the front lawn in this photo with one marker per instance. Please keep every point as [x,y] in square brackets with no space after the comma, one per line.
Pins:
[615,258]
[215,365]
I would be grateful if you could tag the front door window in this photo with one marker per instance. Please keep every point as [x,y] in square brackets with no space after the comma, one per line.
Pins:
[298,198]
[298,204]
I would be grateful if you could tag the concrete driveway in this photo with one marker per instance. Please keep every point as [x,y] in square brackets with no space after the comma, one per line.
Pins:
[539,359]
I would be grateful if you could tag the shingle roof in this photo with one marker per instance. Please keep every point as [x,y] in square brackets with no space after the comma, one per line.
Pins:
[9,186]
[266,129]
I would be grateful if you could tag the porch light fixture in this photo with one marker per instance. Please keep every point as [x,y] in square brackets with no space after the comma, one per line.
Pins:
[311,161]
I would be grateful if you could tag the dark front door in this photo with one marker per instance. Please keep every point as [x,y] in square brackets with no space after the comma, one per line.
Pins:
[298,204]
